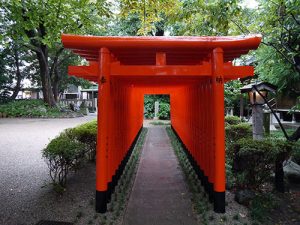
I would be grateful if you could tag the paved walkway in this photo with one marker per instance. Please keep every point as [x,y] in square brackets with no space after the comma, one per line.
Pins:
[23,171]
[159,194]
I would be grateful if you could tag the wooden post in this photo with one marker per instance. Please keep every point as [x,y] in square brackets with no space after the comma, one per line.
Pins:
[219,130]
[103,131]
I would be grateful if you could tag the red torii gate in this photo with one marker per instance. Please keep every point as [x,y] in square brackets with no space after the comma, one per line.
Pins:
[192,70]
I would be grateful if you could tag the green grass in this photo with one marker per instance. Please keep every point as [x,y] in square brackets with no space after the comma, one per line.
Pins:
[199,197]
[159,123]
[279,133]
[261,206]
[120,196]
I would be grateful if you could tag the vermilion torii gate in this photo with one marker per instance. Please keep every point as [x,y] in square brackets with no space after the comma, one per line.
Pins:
[192,70]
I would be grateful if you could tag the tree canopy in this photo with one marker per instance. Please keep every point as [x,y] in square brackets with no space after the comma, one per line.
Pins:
[35,26]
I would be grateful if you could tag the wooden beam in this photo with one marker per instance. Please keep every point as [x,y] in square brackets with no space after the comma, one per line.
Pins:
[87,72]
[233,72]
[91,72]
[161,59]
[145,70]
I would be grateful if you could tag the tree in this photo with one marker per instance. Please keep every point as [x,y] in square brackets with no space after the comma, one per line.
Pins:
[278,57]
[149,16]
[39,24]
[206,17]
[12,70]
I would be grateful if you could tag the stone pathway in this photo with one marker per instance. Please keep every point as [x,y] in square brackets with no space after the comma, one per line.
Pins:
[160,195]
[25,193]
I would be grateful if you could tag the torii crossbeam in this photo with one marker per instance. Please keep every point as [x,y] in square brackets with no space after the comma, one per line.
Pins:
[192,70]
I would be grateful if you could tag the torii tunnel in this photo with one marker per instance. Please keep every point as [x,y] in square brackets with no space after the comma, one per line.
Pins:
[192,70]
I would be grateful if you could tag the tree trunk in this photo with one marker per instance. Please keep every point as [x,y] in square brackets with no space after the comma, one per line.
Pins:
[55,84]
[45,77]
[55,75]
[18,76]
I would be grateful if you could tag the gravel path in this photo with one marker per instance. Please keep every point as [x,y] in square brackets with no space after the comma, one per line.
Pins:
[160,195]
[23,173]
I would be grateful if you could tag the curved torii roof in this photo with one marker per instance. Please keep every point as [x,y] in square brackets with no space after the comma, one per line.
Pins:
[138,50]
[160,56]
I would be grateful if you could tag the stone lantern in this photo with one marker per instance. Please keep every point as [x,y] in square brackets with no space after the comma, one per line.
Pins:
[258,93]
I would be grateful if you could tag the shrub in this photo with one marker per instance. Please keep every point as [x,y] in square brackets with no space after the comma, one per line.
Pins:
[62,155]
[86,134]
[232,120]
[164,111]
[149,102]
[262,205]
[233,134]
[29,108]
[254,161]
[238,131]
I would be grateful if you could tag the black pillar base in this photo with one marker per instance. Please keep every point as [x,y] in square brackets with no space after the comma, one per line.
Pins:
[103,197]
[109,192]
[101,201]
[205,183]
[114,182]
[219,202]
[210,191]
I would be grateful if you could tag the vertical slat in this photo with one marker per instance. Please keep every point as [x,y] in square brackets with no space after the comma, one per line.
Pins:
[103,131]
[219,130]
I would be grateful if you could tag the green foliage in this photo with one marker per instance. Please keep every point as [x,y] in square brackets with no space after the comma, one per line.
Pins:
[31,108]
[12,69]
[232,93]
[254,161]
[261,205]
[164,111]
[148,107]
[279,58]
[28,108]
[38,26]
[69,151]
[232,120]
[164,101]
[205,17]
[158,123]
[273,68]
[237,131]
[63,154]
[148,15]
[86,134]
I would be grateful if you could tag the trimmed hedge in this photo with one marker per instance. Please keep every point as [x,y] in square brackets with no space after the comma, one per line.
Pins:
[232,120]
[254,161]
[86,134]
[62,155]
[237,131]
[68,151]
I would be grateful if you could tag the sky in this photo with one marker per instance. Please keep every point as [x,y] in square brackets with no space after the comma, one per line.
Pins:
[250,3]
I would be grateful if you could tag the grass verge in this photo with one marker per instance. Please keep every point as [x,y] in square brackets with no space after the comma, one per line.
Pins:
[157,123]
[235,213]
[120,197]
[200,199]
